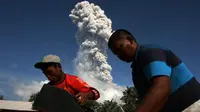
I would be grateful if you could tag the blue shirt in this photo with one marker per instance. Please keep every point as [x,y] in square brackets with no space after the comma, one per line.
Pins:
[152,61]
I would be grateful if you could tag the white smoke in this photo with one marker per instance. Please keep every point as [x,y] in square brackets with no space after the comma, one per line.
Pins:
[94,29]
[25,90]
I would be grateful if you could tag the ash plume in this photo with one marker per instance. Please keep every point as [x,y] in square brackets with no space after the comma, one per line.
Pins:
[94,30]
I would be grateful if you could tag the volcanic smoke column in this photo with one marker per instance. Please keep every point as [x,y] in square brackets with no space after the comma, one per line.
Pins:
[94,29]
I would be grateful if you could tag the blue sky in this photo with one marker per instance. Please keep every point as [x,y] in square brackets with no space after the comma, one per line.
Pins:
[31,29]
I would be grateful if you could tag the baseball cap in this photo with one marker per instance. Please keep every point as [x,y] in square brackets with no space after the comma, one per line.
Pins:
[46,60]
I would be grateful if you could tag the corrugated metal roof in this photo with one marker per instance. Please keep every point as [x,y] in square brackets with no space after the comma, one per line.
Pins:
[194,107]
[16,105]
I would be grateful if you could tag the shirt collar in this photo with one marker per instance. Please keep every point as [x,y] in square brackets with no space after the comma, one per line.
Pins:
[136,54]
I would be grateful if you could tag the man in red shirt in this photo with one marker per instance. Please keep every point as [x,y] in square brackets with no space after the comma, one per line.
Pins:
[52,69]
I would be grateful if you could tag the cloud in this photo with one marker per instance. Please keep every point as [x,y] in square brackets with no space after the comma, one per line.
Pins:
[6,86]
[94,29]
[108,90]
[24,90]
[13,88]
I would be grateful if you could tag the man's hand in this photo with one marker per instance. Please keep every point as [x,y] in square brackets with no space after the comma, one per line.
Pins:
[83,97]
[157,95]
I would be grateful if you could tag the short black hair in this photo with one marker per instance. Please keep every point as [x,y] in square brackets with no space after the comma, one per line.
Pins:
[117,35]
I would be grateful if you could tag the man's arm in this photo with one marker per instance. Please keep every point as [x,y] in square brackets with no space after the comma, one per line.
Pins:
[157,95]
[83,88]
[90,95]
[84,96]
[158,73]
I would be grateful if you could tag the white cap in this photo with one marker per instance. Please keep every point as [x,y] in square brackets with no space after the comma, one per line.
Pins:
[48,59]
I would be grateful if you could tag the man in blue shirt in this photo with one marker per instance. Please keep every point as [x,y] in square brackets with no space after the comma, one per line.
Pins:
[162,80]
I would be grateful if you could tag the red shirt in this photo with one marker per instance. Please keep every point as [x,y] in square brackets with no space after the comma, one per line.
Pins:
[74,85]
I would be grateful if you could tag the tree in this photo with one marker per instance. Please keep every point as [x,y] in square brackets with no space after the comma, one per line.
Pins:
[92,105]
[33,97]
[1,97]
[130,99]
[109,106]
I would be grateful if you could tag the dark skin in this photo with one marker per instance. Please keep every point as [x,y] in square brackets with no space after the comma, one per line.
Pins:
[83,97]
[159,91]
[56,76]
[124,49]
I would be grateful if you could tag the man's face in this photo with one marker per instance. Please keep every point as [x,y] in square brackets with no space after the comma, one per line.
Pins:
[124,49]
[52,73]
